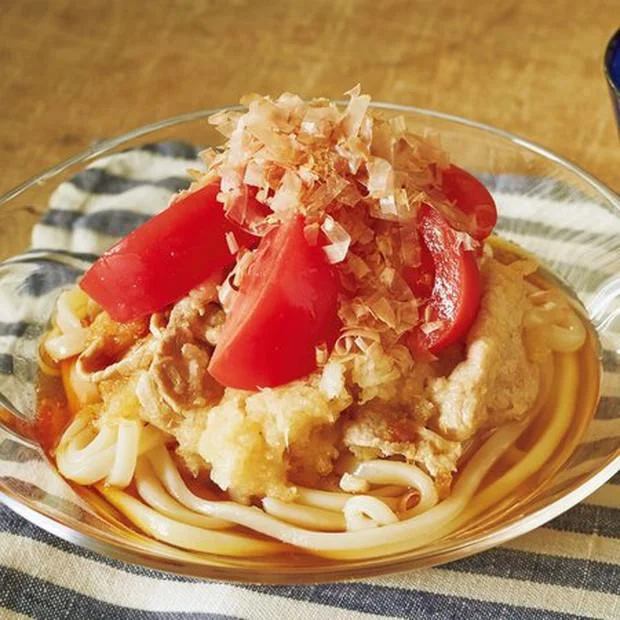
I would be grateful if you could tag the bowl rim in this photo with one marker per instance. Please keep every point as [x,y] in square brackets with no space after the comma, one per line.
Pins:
[100,147]
[311,574]
[339,571]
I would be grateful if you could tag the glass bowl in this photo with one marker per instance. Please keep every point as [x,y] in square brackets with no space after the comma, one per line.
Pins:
[546,204]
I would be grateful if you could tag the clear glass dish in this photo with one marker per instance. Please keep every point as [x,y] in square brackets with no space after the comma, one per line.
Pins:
[552,208]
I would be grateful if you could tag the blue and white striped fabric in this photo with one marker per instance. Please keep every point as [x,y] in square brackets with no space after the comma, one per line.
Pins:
[569,568]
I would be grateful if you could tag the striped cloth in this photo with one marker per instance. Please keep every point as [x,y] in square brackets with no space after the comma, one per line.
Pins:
[567,569]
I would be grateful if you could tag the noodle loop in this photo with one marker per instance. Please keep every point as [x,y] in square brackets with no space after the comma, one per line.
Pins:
[567,333]
[365,511]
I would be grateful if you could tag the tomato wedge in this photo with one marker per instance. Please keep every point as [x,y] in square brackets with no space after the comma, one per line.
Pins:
[472,198]
[286,306]
[162,260]
[455,296]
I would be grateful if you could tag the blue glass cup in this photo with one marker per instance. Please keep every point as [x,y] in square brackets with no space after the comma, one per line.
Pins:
[612,71]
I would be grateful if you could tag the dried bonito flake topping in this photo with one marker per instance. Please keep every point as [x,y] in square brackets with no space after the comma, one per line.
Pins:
[358,176]
[315,156]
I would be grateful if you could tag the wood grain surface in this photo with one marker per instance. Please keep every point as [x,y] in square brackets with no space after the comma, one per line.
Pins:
[75,72]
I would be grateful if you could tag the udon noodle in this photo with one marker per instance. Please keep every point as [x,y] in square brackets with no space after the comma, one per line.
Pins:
[396,506]
[318,347]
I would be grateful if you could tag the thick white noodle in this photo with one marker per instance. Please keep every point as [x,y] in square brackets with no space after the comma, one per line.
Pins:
[326,500]
[68,306]
[336,500]
[416,531]
[391,490]
[364,511]
[86,472]
[403,474]
[567,332]
[85,391]
[187,536]
[305,516]
[46,368]
[68,344]
[86,455]
[570,336]
[89,442]
[78,424]
[353,484]
[151,491]
[126,455]
[339,525]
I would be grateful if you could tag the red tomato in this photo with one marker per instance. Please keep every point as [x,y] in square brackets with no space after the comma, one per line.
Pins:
[286,306]
[455,297]
[472,198]
[162,260]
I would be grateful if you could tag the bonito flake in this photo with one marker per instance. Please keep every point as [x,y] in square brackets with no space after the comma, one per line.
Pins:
[359,178]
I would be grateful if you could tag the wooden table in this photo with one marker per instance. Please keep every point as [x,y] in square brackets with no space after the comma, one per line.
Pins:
[74,72]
